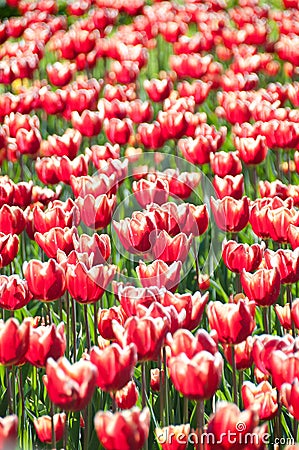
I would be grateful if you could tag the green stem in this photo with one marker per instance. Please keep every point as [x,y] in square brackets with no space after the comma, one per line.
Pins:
[166,387]
[266,320]
[52,427]
[87,327]
[161,388]
[290,301]
[95,323]
[234,373]
[200,422]
[74,329]
[143,375]
[9,391]
[22,399]
[186,410]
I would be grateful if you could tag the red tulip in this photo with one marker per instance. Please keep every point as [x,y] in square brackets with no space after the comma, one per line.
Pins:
[159,274]
[58,214]
[9,247]
[283,367]
[197,378]
[127,397]
[56,239]
[289,396]
[158,90]
[264,346]
[14,341]
[284,316]
[43,427]
[89,123]
[157,376]
[96,213]
[295,312]
[147,191]
[23,194]
[46,281]
[66,168]
[70,387]
[46,342]
[101,184]
[286,262]
[229,186]
[105,321]
[118,131]
[60,74]
[183,341]
[230,214]
[115,365]
[53,102]
[131,297]
[252,150]
[98,244]
[146,333]
[87,285]
[8,432]
[28,142]
[14,292]
[239,257]
[12,220]
[234,322]
[225,163]
[181,184]
[150,135]
[193,305]
[135,233]
[170,249]
[126,430]
[243,354]
[293,236]
[139,111]
[263,396]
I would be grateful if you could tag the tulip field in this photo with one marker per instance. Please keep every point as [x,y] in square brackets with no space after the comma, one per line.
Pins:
[149,225]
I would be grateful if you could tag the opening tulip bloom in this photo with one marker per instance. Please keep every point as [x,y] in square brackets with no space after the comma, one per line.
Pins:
[14,341]
[115,365]
[159,274]
[262,287]
[169,250]
[127,397]
[197,378]
[14,292]
[290,397]
[238,257]
[43,427]
[56,239]
[96,213]
[230,214]
[147,333]
[70,387]
[9,247]
[46,342]
[88,285]
[263,396]
[46,281]
[234,322]
[127,430]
